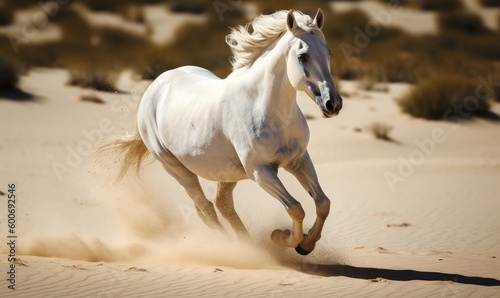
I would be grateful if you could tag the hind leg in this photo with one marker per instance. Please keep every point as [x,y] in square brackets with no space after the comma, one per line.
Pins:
[191,184]
[225,204]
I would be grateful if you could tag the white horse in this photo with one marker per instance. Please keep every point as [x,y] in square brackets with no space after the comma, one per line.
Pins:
[245,126]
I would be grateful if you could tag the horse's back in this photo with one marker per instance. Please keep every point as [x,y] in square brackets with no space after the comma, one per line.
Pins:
[180,114]
[195,70]
[177,97]
[186,74]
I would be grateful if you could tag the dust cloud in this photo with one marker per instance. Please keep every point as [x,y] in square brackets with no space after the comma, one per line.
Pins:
[150,219]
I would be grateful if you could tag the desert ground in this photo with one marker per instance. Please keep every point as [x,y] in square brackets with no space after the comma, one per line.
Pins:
[434,233]
[413,215]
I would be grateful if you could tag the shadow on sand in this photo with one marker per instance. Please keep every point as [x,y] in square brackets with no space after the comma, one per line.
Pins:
[492,116]
[393,274]
[16,95]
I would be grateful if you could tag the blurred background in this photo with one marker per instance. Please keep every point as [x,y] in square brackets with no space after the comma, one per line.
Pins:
[453,42]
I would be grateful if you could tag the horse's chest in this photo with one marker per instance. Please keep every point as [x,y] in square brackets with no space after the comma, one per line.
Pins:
[279,144]
[288,152]
[282,150]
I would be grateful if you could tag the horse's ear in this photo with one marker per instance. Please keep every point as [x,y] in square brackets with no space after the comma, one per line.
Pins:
[318,19]
[291,23]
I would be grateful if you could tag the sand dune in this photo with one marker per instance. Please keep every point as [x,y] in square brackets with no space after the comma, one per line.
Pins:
[436,233]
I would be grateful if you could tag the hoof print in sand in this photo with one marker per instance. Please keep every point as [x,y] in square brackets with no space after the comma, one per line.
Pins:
[136,269]
[401,225]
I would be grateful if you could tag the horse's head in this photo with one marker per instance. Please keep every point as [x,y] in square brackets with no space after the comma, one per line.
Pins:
[308,64]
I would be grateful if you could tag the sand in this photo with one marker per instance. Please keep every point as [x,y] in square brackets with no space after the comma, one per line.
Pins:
[414,216]
[434,232]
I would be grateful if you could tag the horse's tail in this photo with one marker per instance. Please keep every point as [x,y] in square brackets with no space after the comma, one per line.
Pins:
[134,148]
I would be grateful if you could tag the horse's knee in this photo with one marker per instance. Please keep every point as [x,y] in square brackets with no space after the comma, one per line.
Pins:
[323,208]
[206,205]
[296,212]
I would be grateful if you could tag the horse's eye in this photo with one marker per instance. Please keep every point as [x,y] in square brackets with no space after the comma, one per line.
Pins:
[302,58]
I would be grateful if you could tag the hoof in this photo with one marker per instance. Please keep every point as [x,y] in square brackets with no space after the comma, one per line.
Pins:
[302,251]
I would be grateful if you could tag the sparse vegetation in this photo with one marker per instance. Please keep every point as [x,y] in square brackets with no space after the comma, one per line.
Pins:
[438,5]
[92,98]
[6,15]
[9,75]
[92,77]
[122,46]
[380,130]
[134,13]
[75,29]
[115,5]
[22,3]
[490,3]
[185,50]
[99,5]
[107,6]
[194,7]
[495,89]
[366,82]
[392,55]
[447,97]
[397,56]
[461,20]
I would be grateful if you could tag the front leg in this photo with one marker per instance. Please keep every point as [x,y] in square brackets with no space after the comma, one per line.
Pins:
[305,173]
[267,178]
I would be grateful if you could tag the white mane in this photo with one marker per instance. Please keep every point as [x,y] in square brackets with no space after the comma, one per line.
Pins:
[247,46]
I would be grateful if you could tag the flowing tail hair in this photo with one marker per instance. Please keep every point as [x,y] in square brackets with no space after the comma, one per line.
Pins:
[134,148]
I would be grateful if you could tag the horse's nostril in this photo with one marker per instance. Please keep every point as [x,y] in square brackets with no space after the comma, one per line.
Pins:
[329,105]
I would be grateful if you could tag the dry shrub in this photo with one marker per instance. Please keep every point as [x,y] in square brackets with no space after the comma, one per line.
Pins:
[340,26]
[134,13]
[6,15]
[75,28]
[94,77]
[402,67]
[438,5]
[380,130]
[308,7]
[494,90]
[445,97]
[92,98]
[115,5]
[22,3]
[9,75]
[490,3]
[101,5]
[366,80]
[200,44]
[461,20]
[126,44]
[193,7]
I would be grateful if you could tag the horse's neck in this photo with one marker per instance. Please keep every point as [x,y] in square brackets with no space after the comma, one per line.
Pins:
[275,97]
